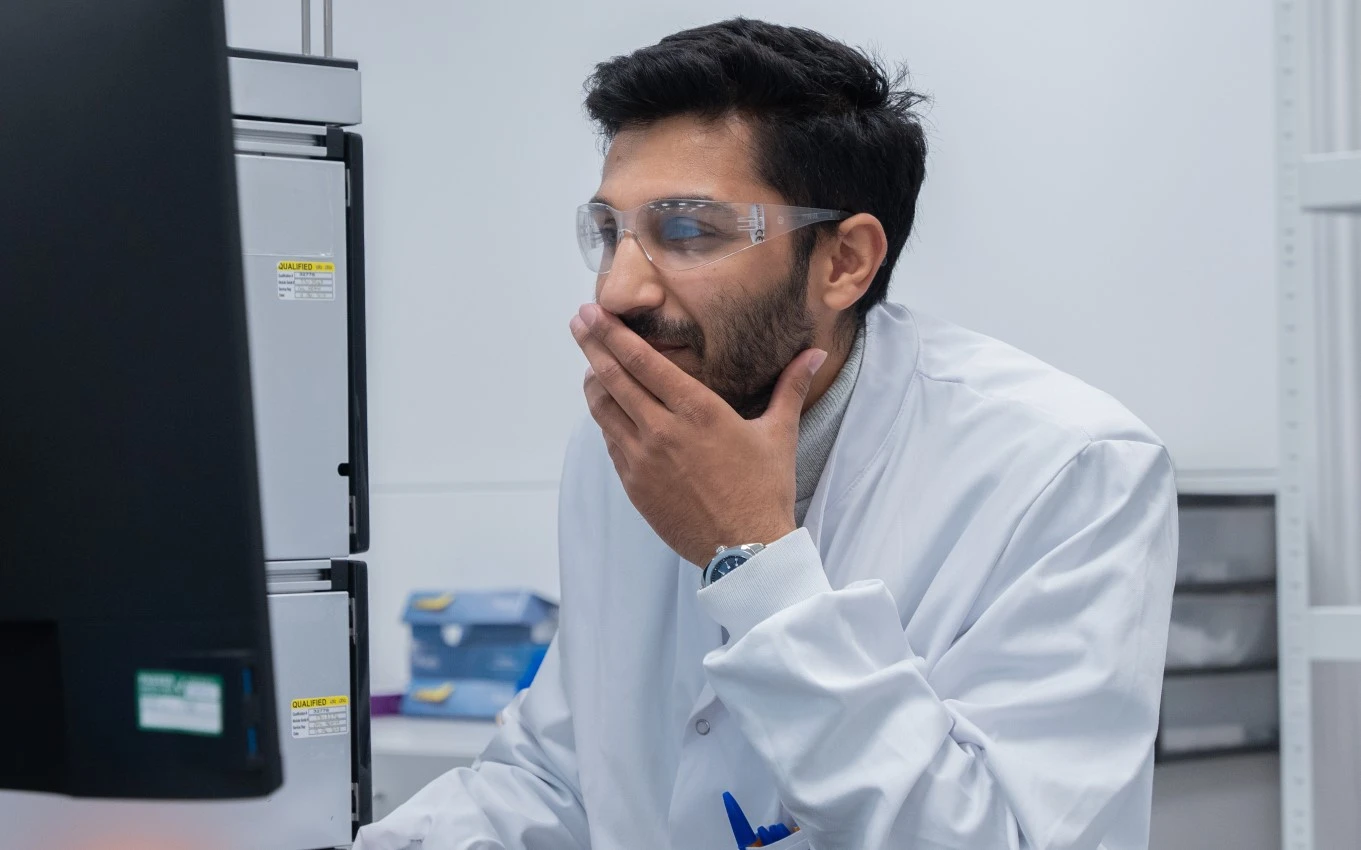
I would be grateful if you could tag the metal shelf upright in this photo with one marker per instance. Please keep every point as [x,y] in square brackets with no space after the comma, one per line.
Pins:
[1309,185]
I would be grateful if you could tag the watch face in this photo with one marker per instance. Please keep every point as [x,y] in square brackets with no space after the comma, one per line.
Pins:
[726,566]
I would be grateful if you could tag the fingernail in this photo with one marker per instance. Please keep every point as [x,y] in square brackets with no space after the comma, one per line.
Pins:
[815,362]
[577,325]
[589,372]
[588,313]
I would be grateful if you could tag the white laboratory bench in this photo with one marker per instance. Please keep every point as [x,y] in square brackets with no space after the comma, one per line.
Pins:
[408,752]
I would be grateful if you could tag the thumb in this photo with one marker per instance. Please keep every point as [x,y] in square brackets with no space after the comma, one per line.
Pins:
[786,402]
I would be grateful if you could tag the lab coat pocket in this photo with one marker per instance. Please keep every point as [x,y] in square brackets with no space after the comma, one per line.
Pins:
[797,841]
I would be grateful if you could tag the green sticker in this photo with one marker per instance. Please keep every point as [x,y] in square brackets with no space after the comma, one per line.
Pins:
[170,701]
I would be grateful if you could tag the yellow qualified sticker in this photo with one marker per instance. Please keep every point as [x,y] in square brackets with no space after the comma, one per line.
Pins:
[314,717]
[306,280]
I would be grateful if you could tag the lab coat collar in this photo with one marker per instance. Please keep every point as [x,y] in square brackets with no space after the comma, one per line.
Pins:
[892,348]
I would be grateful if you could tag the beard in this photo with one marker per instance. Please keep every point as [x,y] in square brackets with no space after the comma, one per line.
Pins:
[746,343]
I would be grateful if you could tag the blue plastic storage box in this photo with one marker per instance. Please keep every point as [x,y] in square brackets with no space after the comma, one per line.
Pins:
[471,651]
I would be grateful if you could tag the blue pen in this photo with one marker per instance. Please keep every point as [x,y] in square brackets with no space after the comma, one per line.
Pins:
[741,827]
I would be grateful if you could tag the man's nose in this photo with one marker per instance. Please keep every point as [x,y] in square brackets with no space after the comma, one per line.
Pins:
[632,284]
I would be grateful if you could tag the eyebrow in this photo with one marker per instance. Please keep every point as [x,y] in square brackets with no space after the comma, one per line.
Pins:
[693,196]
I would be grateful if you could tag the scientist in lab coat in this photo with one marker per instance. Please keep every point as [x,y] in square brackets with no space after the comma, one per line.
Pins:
[878,577]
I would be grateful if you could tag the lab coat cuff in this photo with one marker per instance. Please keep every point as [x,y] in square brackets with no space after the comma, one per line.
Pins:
[785,573]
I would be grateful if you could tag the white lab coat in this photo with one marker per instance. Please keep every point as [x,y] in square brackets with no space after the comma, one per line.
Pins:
[962,648]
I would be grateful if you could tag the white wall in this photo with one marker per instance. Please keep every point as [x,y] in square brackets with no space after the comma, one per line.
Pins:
[1099,193]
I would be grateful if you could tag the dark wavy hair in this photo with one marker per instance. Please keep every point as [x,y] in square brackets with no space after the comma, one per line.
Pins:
[832,126]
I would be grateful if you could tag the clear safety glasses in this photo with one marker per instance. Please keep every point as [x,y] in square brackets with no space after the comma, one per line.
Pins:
[677,234]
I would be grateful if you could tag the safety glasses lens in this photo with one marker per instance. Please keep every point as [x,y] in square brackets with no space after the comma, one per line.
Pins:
[596,236]
[676,234]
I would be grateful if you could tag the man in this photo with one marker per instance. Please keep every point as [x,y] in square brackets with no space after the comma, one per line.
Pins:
[939,609]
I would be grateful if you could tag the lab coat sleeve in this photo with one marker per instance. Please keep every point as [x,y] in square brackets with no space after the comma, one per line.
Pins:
[1031,730]
[522,793]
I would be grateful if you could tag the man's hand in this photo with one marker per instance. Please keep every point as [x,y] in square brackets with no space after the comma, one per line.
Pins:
[700,474]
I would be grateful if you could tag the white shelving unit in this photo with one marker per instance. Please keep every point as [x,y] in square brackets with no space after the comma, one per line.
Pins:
[409,752]
[1226,482]
[459,740]
[1331,183]
[1308,186]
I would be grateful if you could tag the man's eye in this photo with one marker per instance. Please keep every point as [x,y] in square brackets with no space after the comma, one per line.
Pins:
[682,228]
[608,235]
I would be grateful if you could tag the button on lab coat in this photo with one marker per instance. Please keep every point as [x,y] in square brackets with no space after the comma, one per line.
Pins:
[962,648]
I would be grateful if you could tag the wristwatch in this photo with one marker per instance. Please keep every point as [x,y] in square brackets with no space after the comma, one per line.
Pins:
[727,559]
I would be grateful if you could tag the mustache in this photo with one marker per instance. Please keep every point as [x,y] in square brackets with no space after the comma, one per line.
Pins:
[658,330]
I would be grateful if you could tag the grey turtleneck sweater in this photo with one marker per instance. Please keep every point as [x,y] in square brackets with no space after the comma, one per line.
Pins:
[819,426]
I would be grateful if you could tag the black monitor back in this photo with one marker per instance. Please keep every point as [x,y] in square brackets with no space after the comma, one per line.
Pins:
[134,639]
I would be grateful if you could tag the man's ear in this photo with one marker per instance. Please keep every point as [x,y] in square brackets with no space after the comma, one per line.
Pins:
[854,256]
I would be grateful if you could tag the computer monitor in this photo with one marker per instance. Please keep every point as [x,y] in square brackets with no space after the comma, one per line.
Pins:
[134,639]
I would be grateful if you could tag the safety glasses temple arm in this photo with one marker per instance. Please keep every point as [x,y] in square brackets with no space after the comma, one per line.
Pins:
[800,216]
